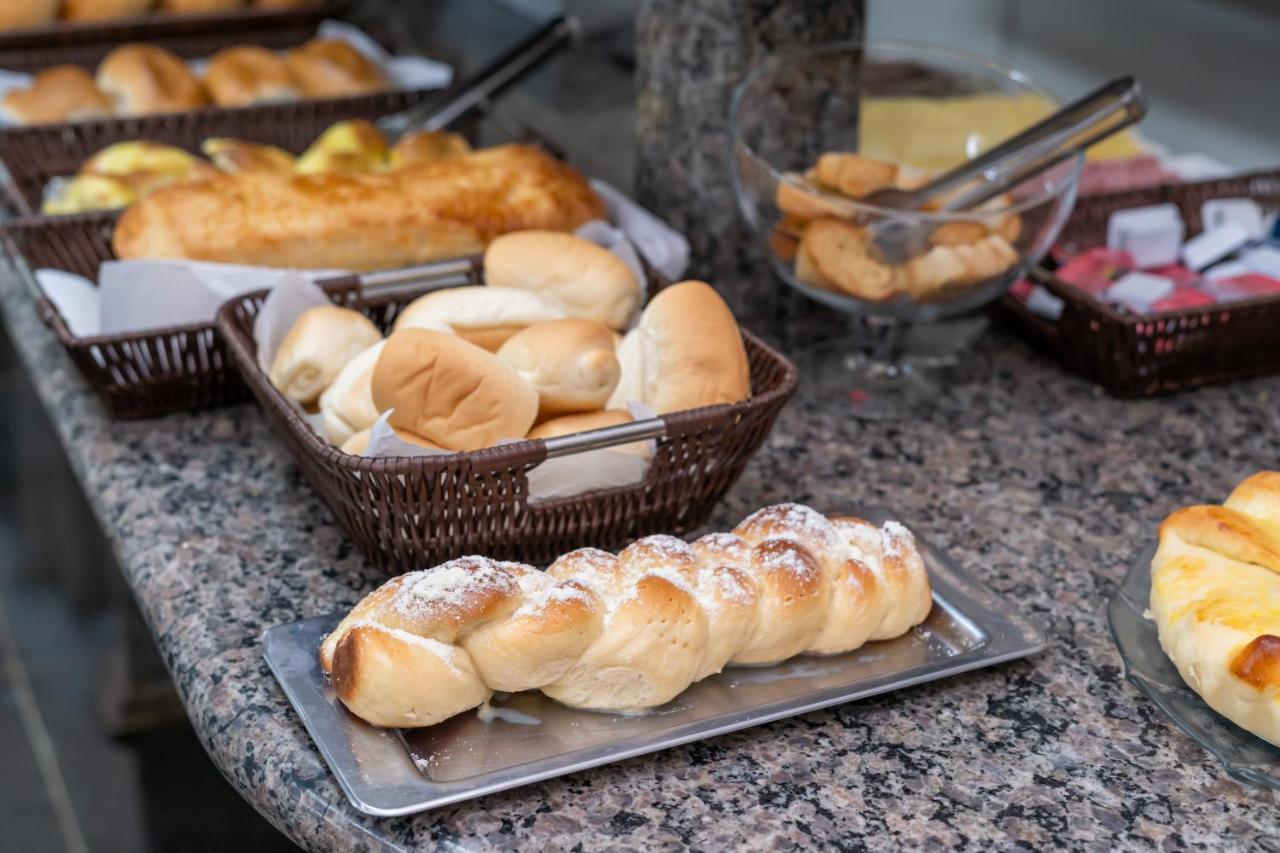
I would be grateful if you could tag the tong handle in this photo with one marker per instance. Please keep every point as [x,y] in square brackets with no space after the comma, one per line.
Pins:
[1104,111]
[487,83]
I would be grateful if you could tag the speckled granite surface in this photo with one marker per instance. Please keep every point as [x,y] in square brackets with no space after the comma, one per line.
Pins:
[1043,488]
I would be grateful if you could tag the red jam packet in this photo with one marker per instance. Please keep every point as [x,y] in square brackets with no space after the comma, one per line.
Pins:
[1250,286]
[1094,270]
[1177,273]
[1182,298]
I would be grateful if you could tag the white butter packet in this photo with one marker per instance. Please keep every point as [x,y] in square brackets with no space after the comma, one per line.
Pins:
[663,248]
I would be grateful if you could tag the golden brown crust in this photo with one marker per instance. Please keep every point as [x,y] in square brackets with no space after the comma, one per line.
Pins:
[103,10]
[856,175]
[18,14]
[1225,531]
[239,76]
[839,253]
[330,68]
[236,155]
[143,79]
[360,221]
[427,147]
[1258,663]
[61,93]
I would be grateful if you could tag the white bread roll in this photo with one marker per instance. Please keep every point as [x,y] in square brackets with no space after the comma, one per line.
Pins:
[60,93]
[102,10]
[576,275]
[570,362]
[318,346]
[451,392]
[142,79]
[630,387]
[690,350]
[346,406]
[485,316]
[248,74]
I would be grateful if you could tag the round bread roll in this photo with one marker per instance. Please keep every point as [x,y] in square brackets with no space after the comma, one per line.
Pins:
[570,362]
[630,387]
[485,316]
[690,350]
[330,68]
[583,279]
[61,93]
[358,443]
[195,7]
[15,14]
[102,10]
[346,406]
[317,347]
[450,391]
[142,79]
[239,76]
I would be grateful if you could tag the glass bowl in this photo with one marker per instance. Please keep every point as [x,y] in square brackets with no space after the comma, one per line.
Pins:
[796,107]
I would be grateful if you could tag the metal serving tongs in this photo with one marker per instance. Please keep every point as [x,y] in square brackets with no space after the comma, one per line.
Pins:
[1042,146]
[487,83]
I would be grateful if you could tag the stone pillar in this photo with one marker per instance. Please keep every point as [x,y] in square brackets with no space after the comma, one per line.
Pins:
[690,54]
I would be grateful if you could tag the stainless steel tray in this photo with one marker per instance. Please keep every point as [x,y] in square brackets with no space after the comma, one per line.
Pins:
[1244,755]
[389,773]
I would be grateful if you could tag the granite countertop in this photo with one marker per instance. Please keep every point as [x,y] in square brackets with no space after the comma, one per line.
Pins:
[1043,487]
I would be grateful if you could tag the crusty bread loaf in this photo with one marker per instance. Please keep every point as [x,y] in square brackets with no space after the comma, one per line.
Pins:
[239,76]
[624,632]
[486,316]
[580,277]
[102,10]
[346,406]
[142,79]
[317,347]
[451,392]
[570,362]
[330,68]
[690,350]
[1215,596]
[420,213]
[17,14]
[61,93]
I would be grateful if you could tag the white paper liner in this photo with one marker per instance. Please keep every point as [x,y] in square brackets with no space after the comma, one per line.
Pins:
[403,72]
[664,248]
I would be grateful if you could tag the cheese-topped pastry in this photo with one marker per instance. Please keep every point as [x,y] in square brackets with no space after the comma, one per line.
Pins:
[1215,594]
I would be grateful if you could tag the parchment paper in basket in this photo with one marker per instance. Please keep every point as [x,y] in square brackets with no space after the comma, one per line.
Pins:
[134,296]
[664,248]
[562,477]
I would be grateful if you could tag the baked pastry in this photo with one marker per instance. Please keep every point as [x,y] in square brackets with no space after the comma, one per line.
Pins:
[235,155]
[330,68]
[61,93]
[239,76]
[686,352]
[317,347]
[198,7]
[348,146]
[142,79]
[122,173]
[957,266]
[1215,598]
[16,14]
[427,146]
[88,192]
[103,10]
[360,221]
[346,406]
[451,392]
[855,175]
[838,255]
[624,632]
[571,363]
[485,316]
[582,278]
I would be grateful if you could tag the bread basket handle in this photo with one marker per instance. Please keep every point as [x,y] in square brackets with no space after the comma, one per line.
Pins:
[422,278]
[598,439]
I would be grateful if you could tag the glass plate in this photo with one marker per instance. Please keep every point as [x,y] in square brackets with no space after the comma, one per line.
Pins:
[1246,757]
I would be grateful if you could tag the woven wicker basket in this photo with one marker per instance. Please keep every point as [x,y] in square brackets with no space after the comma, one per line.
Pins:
[411,513]
[1133,356]
[191,36]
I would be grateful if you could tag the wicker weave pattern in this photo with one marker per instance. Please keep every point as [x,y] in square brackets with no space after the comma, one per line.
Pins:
[1173,351]
[407,514]
[190,36]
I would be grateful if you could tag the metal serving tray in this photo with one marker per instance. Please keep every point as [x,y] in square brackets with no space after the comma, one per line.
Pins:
[388,773]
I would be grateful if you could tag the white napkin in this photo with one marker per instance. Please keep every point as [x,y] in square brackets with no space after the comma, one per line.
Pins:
[292,295]
[664,248]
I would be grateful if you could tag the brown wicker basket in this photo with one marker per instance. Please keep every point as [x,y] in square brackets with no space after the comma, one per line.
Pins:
[411,513]
[32,155]
[1133,356]
[37,48]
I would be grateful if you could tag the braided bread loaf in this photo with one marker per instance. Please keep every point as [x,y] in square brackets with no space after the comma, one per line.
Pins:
[1215,598]
[629,631]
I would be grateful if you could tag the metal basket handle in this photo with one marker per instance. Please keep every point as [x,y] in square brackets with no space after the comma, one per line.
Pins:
[598,439]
